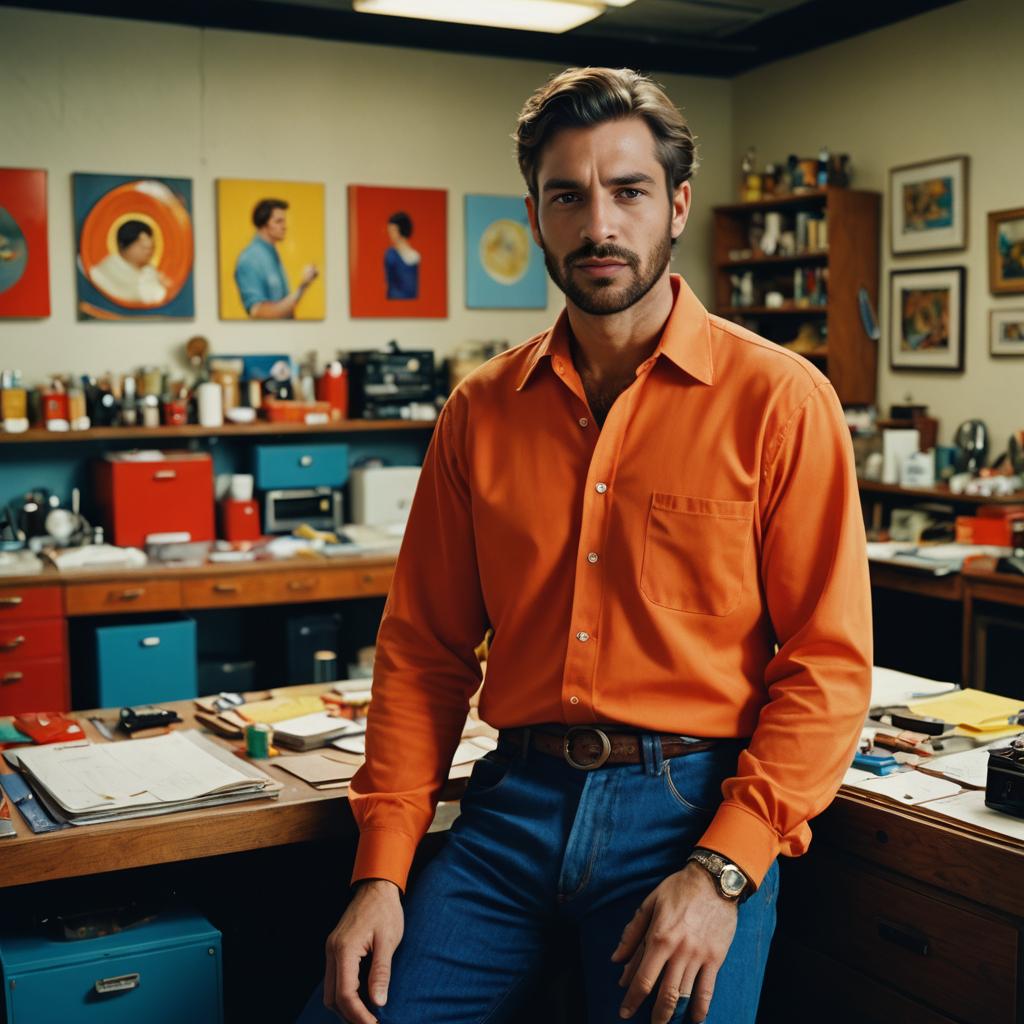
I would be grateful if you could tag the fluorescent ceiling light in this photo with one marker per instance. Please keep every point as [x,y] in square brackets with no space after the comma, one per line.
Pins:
[527,15]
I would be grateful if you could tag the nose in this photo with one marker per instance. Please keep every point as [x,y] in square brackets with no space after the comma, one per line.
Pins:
[598,221]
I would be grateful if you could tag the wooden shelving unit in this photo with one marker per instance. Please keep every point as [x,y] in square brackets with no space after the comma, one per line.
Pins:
[260,429]
[848,356]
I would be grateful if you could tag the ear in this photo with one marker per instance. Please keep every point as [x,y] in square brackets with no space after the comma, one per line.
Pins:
[680,208]
[531,212]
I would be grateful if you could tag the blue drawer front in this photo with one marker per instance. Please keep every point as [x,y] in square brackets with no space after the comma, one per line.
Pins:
[301,465]
[177,960]
[144,664]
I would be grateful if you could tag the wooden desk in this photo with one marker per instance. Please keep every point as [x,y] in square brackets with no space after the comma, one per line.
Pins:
[299,814]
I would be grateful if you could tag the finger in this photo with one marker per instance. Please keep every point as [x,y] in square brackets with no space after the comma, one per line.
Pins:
[630,969]
[700,1001]
[330,978]
[676,985]
[348,1003]
[380,973]
[633,932]
[645,978]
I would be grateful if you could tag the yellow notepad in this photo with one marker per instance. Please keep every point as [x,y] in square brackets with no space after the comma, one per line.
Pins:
[975,711]
[277,709]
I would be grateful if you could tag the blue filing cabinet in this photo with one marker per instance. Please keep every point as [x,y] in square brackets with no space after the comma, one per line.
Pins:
[163,972]
[146,663]
[280,466]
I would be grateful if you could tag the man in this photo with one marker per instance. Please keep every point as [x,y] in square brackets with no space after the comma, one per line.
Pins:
[259,274]
[128,276]
[401,259]
[657,513]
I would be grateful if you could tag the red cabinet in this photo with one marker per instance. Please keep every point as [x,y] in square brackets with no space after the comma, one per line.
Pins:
[33,650]
[170,494]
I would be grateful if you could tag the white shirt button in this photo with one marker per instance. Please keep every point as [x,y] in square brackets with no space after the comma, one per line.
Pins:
[582,636]
[601,488]
[584,421]
[574,700]
[592,557]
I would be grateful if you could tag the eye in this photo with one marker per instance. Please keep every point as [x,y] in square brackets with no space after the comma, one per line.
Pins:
[631,193]
[568,196]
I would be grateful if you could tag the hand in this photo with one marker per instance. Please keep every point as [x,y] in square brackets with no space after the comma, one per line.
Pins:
[309,275]
[373,925]
[682,932]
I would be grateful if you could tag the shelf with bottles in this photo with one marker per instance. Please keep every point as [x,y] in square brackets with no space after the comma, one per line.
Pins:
[779,288]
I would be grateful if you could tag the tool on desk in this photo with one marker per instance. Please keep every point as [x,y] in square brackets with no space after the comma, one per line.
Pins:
[133,720]
[258,737]
[101,727]
[1004,786]
[907,742]
[877,764]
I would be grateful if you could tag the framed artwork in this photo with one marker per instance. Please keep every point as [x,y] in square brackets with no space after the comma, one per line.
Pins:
[398,251]
[928,206]
[1006,332]
[926,319]
[1006,252]
[504,265]
[24,259]
[133,247]
[270,250]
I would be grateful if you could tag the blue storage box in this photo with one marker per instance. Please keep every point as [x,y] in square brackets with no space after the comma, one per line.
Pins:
[163,972]
[279,466]
[146,663]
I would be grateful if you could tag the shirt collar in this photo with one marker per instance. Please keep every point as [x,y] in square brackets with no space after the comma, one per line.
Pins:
[685,340]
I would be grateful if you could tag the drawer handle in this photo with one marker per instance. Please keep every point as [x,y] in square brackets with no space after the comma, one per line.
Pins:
[11,644]
[13,677]
[119,983]
[225,588]
[131,595]
[301,584]
[165,474]
[903,936]
[11,602]
[306,461]
[150,641]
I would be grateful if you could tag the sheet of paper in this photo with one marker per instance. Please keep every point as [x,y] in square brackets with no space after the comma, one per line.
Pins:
[968,767]
[351,744]
[855,775]
[889,687]
[317,724]
[910,788]
[315,768]
[972,709]
[970,807]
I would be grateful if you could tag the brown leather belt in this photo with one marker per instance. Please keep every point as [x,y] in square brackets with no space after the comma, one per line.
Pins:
[588,747]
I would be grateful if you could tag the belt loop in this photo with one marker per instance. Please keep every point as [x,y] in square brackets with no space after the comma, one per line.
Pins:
[651,745]
[524,752]
[659,756]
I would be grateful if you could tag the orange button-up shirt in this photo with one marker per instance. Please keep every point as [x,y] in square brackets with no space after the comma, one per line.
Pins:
[696,566]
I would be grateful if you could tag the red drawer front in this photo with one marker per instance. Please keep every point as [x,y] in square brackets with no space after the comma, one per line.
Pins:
[18,603]
[38,684]
[168,496]
[42,638]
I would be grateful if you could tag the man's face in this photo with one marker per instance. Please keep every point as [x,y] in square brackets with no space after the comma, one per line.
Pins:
[140,252]
[603,215]
[277,226]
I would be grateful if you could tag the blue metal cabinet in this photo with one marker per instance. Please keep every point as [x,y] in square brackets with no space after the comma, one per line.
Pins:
[162,972]
[146,663]
[280,466]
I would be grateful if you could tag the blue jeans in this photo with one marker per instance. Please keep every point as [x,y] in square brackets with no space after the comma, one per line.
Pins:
[539,846]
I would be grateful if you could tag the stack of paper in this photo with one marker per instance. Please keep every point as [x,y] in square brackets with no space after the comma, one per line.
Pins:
[85,785]
[890,688]
[316,730]
[321,771]
[985,716]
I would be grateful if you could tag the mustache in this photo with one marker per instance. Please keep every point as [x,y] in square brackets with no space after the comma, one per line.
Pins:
[602,252]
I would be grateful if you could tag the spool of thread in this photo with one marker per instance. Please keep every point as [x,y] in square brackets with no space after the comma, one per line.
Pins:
[258,737]
[211,408]
[325,666]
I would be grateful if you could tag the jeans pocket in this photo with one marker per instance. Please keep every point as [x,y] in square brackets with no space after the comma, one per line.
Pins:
[489,772]
[694,781]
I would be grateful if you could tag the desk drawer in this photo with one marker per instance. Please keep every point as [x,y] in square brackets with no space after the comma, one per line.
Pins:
[936,952]
[375,581]
[227,591]
[313,585]
[113,598]
[36,684]
[146,663]
[34,638]
[18,603]
[300,465]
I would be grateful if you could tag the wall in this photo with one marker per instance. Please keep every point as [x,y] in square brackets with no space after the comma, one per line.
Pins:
[105,95]
[943,83]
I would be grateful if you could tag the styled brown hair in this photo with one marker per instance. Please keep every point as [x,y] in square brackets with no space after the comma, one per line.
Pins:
[582,97]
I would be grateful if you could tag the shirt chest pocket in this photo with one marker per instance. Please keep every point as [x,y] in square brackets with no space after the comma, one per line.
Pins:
[695,553]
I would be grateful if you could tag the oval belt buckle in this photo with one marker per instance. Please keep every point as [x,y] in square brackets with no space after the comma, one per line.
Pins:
[606,747]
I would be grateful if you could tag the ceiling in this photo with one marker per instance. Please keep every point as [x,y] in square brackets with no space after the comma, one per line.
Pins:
[720,38]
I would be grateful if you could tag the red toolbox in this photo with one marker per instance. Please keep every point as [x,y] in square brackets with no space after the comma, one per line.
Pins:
[239,520]
[139,493]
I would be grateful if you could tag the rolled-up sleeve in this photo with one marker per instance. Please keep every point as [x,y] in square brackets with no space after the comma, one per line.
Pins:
[251,281]
[426,669]
[814,573]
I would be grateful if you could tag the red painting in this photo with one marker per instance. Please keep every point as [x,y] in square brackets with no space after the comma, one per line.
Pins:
[24,261]
[398,251]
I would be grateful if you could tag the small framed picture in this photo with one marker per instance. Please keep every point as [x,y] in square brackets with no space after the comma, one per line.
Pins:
[1006,252]
[926,319]
[928,206]
[1006,332]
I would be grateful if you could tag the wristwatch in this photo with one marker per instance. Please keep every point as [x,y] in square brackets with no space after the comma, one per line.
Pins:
[731,882]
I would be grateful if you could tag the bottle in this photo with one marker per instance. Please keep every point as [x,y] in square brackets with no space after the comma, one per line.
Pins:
[129,407]
[770,179]
[78,418]
[13,402]
[750,191]
[822,167]
[55,406]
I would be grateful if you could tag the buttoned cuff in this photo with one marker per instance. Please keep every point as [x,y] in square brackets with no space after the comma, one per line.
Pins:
[384,853]
[737,834]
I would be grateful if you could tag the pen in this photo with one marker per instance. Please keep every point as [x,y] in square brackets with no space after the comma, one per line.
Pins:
[1014,719]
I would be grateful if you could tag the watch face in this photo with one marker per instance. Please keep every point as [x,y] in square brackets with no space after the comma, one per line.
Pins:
[733,881]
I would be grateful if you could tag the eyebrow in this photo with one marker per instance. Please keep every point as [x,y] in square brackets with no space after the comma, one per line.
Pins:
[636,178]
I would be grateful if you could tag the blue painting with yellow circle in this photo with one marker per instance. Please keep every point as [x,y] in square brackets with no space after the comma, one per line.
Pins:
[134,247]
[13,251]
[504,266]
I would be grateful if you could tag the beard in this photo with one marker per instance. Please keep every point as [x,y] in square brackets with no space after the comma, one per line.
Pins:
[604,296]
